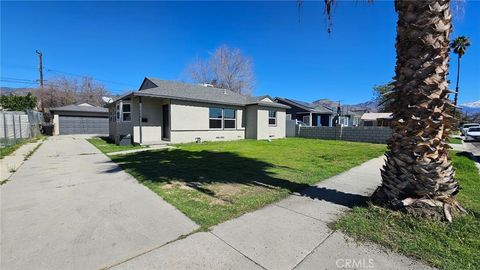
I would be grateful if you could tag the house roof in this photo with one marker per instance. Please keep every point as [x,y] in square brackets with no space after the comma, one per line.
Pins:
[306,106]
[84,107]
[375,116]
[199,93]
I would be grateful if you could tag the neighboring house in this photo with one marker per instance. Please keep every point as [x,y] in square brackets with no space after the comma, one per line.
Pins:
[351,117]
[80,119]
[168,111]
[307,113]
[376,119]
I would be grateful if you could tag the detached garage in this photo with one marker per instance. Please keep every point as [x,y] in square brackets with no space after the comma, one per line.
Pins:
[80,119]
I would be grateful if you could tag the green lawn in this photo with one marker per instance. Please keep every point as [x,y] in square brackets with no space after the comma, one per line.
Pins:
[455,140]
[106,145]
[5,151]
[214,182]
[443,245]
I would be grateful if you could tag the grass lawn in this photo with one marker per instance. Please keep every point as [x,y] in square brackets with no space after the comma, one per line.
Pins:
[455,140]
[443,245]
[106,145]
[214,182]
[5,151]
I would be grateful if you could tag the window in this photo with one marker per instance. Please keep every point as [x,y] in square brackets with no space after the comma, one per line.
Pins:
[272,118]
[216,116]
[222,118]
[117,111]
[126,112]
[306,119]
[229,118]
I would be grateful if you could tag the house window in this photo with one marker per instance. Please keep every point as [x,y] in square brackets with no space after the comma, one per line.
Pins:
[229,118]
[222,118]
[118,111]
[272,118]
[306,119]
[216,116]
[126,112]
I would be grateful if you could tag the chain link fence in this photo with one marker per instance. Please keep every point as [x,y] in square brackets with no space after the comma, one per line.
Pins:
[17,126]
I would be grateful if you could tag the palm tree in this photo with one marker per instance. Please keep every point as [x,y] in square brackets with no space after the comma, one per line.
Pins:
[418,176]
[459,46]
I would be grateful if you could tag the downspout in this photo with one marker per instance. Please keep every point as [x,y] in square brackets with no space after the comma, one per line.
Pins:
[140,118]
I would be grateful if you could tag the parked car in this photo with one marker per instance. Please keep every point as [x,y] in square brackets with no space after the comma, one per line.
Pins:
[465,127]
[473,133]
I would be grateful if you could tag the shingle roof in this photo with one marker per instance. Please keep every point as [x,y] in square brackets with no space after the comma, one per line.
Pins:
[201,93]
[80,108]
[306,106]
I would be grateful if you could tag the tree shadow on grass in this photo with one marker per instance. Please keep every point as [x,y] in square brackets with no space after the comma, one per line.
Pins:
[469,155]
[195,169]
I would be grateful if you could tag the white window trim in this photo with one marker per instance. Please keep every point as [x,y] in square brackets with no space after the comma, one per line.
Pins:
[272,125]
[222,119]
[130,112]
[119,111]
[234,119]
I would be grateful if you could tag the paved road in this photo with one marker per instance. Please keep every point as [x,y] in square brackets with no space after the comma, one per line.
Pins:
[70,207]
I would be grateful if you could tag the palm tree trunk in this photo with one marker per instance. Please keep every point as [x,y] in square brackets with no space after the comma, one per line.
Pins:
[418,176]
[456,87]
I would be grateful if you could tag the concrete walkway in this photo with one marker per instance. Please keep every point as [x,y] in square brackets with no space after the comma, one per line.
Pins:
[12,162]
[70,207]
[291,234]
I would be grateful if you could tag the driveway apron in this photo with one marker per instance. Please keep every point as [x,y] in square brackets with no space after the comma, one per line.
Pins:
[70,207]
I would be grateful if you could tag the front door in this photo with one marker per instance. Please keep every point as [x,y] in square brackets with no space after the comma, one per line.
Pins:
[166,122]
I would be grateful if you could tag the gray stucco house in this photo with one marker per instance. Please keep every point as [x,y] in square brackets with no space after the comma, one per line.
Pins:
[169,111]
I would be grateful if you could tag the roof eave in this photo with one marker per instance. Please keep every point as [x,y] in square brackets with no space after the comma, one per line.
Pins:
[186,99]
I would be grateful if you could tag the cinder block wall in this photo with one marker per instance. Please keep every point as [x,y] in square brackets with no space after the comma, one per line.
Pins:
[354,134]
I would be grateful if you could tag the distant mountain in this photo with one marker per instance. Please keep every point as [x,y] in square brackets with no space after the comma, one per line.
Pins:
[17,91]
[471,107]
[371,106]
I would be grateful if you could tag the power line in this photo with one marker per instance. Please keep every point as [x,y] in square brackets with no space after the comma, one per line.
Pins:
[100,80]
[17,79]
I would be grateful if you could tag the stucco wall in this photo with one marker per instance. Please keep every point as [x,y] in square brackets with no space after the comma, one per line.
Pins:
[190,120]
[152,111]
[207,135]
[189,116]
[264,130]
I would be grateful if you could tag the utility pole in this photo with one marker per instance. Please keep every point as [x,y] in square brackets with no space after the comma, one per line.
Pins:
[40,55]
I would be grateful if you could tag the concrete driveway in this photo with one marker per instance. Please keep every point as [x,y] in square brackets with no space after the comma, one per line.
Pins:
[70,207]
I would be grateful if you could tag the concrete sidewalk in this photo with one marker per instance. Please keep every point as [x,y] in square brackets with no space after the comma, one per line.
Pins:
[9,164]
[290,234]
[71,207]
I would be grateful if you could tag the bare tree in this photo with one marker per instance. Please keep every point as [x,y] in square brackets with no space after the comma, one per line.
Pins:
[226,68]
[63,91]
[91,92]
